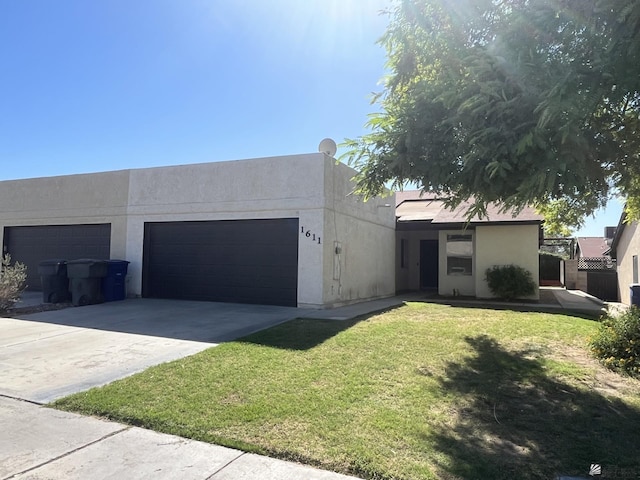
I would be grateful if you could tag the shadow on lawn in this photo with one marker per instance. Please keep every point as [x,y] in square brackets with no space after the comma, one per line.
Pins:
[514,421]
[300,334]
[305,333]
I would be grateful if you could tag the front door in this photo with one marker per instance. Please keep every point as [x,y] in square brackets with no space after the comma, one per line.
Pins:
[428,264]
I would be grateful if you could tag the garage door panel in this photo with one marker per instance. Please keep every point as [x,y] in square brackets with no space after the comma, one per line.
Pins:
[244,261]
[228,275]
[226,292]
[228,254]
[33,244]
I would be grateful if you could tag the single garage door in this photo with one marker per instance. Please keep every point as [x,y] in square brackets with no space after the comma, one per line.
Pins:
[240,261]
[33,244]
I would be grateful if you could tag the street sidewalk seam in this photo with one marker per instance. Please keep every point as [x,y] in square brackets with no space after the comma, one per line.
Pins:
[66,454]
[211,477]
[32,402]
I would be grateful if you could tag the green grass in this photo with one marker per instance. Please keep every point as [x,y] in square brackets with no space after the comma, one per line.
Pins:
[423,391]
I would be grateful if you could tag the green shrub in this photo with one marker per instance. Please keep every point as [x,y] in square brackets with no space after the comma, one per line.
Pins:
[510,281]
[12,282]
[616,343]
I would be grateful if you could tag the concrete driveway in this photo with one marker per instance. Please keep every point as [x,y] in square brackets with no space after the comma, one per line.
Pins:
[48,355]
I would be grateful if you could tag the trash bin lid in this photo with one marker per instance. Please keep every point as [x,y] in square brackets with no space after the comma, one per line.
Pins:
[85,261]
[86,268]
[117,267]
[53,261]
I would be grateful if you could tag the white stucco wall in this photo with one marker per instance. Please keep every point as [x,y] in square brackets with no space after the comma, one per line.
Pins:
[69,200]
[505,245]
[628,246]
[310,187]
[364,233]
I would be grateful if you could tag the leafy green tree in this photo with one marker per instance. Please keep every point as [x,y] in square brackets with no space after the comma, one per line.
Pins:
[510,101]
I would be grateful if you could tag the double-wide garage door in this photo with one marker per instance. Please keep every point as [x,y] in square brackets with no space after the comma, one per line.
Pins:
[241,261]
[33,244]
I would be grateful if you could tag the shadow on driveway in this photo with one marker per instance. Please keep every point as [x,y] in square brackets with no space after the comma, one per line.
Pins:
[185,320]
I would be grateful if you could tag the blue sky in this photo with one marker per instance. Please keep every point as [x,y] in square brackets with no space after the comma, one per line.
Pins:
[90,86]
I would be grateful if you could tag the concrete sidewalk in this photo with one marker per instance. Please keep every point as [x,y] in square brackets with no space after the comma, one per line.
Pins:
[39,443]
[579,301]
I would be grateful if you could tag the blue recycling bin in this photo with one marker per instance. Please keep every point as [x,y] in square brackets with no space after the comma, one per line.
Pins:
[113,284]
[635,294]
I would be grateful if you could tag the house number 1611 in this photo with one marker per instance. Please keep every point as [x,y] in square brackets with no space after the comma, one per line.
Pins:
[310,235]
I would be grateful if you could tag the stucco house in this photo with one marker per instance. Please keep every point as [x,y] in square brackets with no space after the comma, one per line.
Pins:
[279,230]
[282,230]
[438,249]
[625,248]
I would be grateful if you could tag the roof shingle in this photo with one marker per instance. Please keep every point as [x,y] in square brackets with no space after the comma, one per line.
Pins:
[415,205]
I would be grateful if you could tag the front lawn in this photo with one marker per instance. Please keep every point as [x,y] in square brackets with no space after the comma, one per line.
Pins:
[423,391]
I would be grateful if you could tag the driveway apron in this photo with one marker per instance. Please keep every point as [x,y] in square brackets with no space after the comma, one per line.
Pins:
[49,355]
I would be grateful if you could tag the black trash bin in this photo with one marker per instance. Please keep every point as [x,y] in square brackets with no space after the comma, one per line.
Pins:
[635,294]
[55,283]
[113,285]
[85,280]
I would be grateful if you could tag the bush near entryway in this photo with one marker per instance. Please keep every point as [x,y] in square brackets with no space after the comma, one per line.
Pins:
[12,282]
[616,343]
[510,281]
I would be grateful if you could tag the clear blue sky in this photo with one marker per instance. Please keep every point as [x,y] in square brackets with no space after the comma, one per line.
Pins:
[90,86]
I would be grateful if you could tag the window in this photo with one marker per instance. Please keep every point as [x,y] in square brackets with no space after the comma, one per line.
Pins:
[404,253]
[459,254]
[634,261]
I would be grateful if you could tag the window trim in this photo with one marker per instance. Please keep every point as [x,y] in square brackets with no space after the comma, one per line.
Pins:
[452,238]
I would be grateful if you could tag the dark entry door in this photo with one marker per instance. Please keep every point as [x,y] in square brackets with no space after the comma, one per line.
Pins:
[239,261]
[428,263]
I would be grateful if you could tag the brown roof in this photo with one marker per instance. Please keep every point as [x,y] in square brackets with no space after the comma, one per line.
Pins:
[417,206]
[414,195]
[593,246]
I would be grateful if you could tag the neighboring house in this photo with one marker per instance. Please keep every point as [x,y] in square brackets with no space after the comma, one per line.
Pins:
[282,230]
[625,248]
[591,247]
[437,249]
[593,270]
[594,253]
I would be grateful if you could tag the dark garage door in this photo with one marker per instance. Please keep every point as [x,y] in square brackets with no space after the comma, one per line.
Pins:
[33,244]
[241,261]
